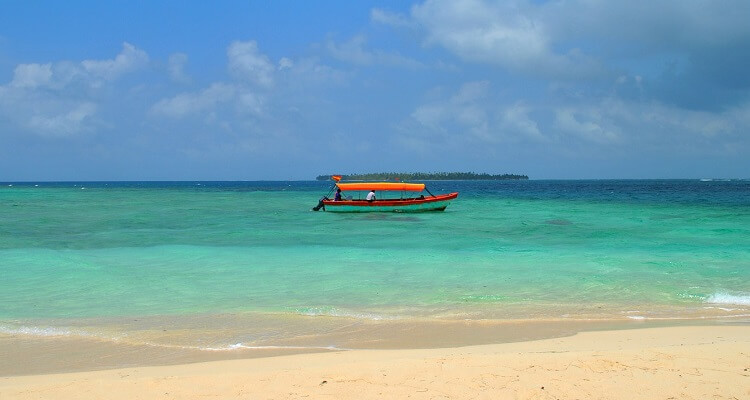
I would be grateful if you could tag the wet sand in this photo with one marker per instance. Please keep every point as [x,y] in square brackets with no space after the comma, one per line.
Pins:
[680,362]
[89,345]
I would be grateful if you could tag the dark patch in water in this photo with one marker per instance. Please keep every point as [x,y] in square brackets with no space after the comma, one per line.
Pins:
[390,217]
[663,217]
[558,222]
[409,219]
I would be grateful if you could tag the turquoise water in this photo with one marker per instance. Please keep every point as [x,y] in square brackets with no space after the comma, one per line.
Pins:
[503,250]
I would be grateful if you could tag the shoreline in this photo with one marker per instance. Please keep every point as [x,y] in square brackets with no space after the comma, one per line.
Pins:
[710,361]
[155,342]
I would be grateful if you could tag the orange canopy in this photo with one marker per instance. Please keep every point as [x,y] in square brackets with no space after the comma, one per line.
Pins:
[411,187]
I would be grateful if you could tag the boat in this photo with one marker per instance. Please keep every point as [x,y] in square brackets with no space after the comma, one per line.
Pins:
[421,203]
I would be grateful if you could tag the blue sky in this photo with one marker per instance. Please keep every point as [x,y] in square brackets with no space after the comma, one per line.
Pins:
[223,90]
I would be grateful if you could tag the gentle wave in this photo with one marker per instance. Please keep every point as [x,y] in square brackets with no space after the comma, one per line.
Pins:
[728,298]
[688,318]
[53,332]
[484,298]
[47,331]
[240,346]
[335,312]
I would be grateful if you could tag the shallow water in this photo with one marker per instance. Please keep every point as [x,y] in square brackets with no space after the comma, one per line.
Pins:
[85,259]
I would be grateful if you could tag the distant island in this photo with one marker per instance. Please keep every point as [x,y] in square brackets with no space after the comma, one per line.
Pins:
[425,176]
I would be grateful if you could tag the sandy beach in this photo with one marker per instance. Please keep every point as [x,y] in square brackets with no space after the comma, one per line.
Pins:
[688,362]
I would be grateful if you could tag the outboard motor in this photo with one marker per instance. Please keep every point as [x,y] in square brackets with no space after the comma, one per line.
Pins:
[320,204]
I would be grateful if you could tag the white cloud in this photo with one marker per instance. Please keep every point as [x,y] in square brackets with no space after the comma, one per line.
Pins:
[247,63]
[250,103]
[44,114]
[515,119]
[58,76]
[285,63]
[253,75]
[649,25]
[189,103]
[243,101]
[654,127]
[465,112]
[471,91]
[388,18]
[60,99]
[660,124]
[594,40]
[176,67]
[582,129]
[129,59]
[91,73]
[354,52]
[309,72]
[588,126]
[64,124]
[472,115]
[430,115]
[31,75]
[509,34]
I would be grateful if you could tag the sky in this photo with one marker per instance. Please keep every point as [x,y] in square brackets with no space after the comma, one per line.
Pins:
[288,90]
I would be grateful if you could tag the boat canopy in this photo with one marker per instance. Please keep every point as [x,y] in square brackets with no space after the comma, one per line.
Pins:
[395,186]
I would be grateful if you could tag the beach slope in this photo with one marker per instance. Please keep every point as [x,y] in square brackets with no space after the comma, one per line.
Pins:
[689,362]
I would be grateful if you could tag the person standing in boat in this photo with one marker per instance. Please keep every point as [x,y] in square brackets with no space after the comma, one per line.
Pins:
[337,197]
[371,195]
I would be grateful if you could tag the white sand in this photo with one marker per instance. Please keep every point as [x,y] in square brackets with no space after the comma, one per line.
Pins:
[706,362]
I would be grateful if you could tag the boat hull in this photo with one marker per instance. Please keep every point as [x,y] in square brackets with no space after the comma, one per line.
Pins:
[437,203]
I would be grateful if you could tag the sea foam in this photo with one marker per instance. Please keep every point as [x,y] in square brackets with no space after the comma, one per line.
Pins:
[39,331]
[728,298]
[46,331]
[240,346]
[335,312]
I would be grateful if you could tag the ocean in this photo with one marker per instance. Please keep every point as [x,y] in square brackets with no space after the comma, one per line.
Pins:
[210,266]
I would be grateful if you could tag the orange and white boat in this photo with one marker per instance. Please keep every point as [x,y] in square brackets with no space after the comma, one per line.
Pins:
[385,199]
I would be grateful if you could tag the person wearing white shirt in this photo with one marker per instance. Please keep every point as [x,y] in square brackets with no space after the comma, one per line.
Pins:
[370,196]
